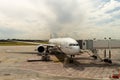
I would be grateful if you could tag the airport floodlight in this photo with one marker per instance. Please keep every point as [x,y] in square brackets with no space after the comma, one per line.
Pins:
[94,38]
[105,38]
[109,37]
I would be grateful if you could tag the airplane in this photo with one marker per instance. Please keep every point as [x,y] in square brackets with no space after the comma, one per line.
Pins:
[68,46]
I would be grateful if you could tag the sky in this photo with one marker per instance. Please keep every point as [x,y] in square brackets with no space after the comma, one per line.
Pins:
[78,19]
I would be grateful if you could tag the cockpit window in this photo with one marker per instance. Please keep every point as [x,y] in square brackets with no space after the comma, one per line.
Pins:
[73,44]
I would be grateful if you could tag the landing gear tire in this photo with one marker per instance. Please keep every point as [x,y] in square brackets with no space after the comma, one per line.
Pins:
[68,60]
[46,58]
[71,61]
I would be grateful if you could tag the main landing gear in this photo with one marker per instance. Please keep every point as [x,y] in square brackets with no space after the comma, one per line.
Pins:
[45,55]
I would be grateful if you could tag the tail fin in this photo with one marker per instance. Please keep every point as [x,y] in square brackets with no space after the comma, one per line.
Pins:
[51,36]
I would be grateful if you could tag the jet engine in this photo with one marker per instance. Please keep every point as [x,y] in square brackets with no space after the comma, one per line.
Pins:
[41,49]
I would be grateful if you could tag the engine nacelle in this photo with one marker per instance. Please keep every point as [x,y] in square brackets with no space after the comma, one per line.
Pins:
[41,49]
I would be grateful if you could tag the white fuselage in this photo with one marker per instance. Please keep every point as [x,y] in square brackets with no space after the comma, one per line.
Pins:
[67,45]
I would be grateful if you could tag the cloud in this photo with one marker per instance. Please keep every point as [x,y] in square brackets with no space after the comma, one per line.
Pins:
[68,14]
[36,19]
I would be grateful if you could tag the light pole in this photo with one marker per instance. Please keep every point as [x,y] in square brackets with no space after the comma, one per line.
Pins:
[109,47]
[107,59]
[105,49]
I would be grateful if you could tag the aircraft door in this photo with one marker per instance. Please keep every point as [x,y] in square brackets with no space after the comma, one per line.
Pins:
[84,44]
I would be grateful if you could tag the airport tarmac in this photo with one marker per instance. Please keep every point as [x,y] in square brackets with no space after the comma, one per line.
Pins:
[14,66]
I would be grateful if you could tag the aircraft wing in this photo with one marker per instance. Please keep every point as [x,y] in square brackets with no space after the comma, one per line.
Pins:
[42,47]
[49,45]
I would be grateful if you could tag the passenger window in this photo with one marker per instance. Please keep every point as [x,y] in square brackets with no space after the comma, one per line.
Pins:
[70,44]
[77,45]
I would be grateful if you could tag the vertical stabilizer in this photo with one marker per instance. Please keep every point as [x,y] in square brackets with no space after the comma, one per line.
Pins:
[51,36]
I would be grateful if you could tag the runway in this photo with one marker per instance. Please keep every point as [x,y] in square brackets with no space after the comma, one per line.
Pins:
[13,65]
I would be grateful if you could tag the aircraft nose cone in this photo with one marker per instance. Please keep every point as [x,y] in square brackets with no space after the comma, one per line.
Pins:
[76,49]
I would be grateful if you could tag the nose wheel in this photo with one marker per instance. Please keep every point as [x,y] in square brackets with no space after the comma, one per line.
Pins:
[69,59]
[46,56]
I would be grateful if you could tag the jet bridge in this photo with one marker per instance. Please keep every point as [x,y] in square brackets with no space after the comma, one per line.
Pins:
[99,44]
[94,45]
[85,44]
